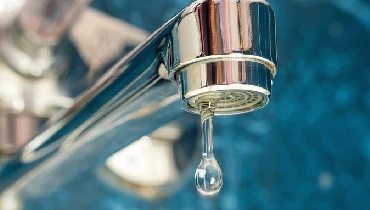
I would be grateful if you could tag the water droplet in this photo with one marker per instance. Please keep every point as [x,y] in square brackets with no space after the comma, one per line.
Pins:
[208,176]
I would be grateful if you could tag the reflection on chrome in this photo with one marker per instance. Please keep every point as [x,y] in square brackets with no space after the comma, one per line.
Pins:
[224,50]
[154,165]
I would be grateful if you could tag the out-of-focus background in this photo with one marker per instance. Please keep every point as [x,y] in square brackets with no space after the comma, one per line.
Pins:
[309,149]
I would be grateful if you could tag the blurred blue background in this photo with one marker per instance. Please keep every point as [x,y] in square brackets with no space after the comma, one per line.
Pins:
[309,149]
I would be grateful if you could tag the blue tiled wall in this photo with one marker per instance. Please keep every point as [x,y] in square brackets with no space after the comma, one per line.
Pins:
[309,149]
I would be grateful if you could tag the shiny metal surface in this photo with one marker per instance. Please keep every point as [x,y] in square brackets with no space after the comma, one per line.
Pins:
[153,166]
[222,47]
[248,83]
[217,30]
[134,97]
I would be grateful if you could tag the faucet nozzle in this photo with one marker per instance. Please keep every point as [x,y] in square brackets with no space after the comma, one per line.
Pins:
[226,51]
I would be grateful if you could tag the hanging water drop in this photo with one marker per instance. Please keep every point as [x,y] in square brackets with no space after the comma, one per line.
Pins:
[208,176]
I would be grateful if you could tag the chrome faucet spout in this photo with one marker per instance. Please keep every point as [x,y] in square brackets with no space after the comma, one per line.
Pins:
[212,49]
[116,111]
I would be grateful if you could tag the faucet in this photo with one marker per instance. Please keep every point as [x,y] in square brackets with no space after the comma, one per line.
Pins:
[213,50]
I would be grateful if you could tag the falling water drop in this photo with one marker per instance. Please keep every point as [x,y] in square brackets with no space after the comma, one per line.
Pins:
[208,176]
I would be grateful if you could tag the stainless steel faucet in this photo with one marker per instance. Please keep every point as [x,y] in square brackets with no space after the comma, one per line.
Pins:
[223,50]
